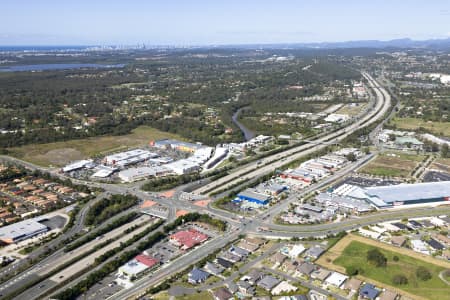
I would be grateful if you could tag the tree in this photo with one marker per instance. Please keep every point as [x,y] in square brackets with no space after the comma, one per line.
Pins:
[377,258]
[399,279]
[351,157]
[395,258]
[444,151]
[423,273]
[351,270]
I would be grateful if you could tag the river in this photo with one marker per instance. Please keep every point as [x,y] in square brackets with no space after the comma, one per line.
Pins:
[248,134]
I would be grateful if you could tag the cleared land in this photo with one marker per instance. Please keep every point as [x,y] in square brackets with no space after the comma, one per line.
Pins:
[62,153]
[351,110]
[438,128]
[400,165]
[352,251]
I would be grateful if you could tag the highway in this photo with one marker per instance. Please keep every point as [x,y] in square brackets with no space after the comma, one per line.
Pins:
[273,162]
[251,170]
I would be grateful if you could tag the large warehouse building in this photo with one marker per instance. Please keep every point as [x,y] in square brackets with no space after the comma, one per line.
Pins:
[402,194]
[21,231]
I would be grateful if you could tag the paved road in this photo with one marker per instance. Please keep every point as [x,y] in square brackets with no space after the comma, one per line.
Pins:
[273,162]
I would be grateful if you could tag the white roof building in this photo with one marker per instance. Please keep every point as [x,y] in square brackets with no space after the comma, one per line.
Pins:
[132,268]
[283,287]
[21,231]
[135,174]
[183,166]
[295,250]
[77,165]
[336,279]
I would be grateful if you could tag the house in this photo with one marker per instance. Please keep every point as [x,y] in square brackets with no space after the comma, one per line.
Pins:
[314,252]
[213,269]
[368,291]
[255,241]
[232,287]
[222,294]
[277,259]
[252,277]
[336,279]
[306,268]
[268,282]
[230,257]
[320,274]
[435,244]
[388,295]
[419,246]
[224,263]
[442,238]
[398,241]
[242,253]
[352,284]
[290,266]
[294,250]
[245,288]
[283,287]
[197,276]
[249,247]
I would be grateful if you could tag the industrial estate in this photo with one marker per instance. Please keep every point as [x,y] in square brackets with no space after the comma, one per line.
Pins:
[225,173]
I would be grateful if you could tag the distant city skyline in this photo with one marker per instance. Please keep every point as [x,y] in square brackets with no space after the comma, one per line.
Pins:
[201,22]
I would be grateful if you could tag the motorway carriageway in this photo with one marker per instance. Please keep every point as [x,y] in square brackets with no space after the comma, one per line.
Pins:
[275,161]
[52,263]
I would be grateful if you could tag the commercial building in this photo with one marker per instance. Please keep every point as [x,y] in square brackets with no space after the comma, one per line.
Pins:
[183,166]
[402,194]
[176,145]
[133,268]
[78,165]
[21,231]
[126,158]
[135,174]
[188,238]
[408,142]
[254,197]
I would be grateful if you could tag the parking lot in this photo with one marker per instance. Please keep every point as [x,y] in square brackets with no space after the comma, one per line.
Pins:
[433,176]
[366,181]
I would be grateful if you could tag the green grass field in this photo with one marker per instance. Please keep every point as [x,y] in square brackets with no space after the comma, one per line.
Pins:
[355,255]
[61,153]
[438,128]
[400,165]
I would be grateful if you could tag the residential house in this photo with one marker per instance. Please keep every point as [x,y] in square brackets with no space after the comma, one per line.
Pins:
[197,276]
[306,268]
[222,294]
[245,288]
[368,291]
[314,252]
[320,274]
[352,284]
[277,258]
[213,269]
[268,282]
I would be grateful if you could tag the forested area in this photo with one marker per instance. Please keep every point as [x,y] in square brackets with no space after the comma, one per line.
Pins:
[170,91]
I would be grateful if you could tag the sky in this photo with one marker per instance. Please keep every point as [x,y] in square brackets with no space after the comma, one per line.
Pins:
[206,22]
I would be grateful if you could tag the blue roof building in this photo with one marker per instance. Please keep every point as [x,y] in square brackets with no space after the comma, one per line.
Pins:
[368,291]
[197,276]
[254,197]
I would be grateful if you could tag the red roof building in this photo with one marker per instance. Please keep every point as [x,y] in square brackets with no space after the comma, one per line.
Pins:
[147,260]
[188,238]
